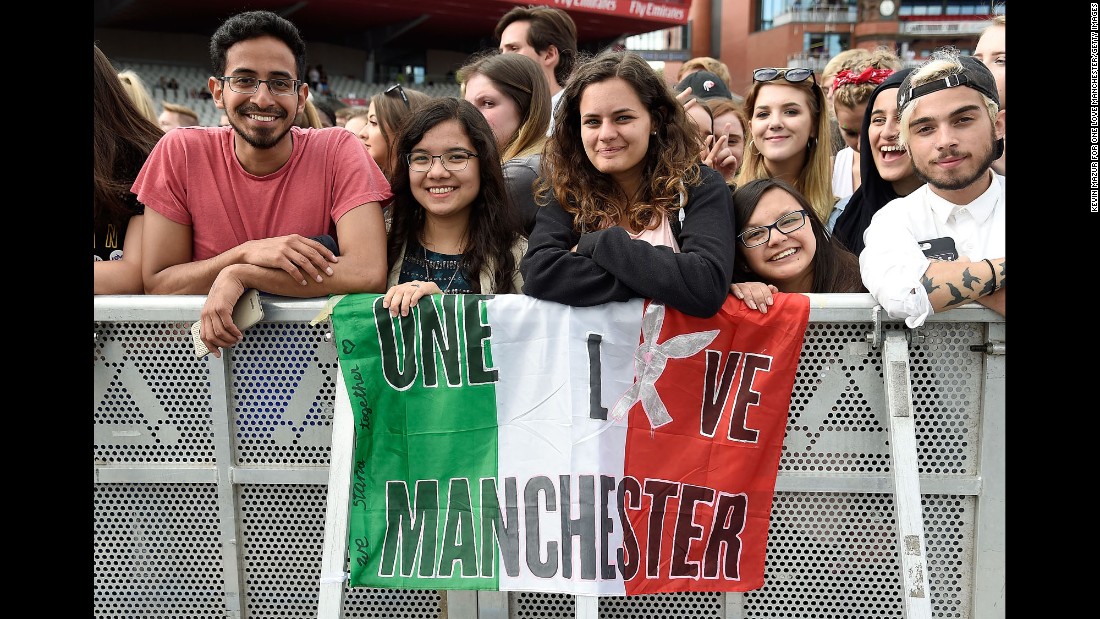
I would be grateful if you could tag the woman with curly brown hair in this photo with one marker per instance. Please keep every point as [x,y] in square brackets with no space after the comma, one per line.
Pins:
[629,211]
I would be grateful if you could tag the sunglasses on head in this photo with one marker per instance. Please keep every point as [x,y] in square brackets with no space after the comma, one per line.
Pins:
[396,88]
[792,75]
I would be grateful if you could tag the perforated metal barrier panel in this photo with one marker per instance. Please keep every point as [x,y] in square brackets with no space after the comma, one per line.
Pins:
[211,475]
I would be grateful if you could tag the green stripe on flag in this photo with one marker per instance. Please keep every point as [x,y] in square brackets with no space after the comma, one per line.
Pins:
[432,442]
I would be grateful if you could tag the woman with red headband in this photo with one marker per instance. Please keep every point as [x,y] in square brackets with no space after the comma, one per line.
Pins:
[852,89]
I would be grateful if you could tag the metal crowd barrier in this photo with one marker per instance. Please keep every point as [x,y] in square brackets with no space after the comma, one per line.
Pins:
[211,475]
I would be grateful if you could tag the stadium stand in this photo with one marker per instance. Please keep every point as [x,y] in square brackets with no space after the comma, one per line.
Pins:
[195,77]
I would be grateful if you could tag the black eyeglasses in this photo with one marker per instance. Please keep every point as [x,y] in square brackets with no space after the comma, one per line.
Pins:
[792,75]
[401,91]
[247,85]
[762,234]
[454,161]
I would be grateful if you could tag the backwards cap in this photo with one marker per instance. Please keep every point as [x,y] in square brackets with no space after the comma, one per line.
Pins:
[974,75]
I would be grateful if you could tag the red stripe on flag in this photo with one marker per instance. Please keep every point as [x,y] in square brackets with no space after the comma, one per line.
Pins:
[707,477]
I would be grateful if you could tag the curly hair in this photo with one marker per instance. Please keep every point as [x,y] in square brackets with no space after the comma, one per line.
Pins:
[853,95]
[122,138]
[521,79]
[595,200]
[251,25]
[835,268]
[494,224]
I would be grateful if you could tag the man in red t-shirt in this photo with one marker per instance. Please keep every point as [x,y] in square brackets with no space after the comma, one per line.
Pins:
[231,208]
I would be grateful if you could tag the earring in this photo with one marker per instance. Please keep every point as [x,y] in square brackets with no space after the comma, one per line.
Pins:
[811,143]
[654,132]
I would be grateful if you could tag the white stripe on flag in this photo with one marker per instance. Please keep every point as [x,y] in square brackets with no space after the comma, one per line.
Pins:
[544,403]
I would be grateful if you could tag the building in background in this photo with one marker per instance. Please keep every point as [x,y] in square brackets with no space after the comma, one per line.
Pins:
[746,34]
[423,43]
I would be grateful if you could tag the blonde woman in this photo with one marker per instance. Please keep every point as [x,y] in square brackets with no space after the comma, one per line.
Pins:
[789,135]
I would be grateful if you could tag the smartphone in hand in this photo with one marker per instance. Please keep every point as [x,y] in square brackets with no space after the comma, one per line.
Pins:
[942,248]
[246,313]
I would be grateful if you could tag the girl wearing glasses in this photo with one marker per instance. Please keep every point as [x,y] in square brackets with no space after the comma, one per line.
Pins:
[453,227]
[784,247]
[789,135]
[512,92]
[621,170]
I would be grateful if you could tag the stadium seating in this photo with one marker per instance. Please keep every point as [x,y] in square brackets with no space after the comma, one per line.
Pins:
[195,78]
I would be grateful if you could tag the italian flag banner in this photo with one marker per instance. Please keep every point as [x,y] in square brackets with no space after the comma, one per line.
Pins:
[508,443]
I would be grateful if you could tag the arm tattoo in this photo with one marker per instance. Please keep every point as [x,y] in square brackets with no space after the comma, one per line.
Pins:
[969,279]
[928,285]
[956,296]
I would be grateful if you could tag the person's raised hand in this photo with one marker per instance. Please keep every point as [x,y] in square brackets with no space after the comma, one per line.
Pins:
[299,256]
[757,295]
[719,156]
[686,99]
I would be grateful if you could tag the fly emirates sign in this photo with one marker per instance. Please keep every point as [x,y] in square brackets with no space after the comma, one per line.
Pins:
[671,12]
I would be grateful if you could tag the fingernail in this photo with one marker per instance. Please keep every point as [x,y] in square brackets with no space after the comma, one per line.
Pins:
[319,280]
[328,270]
[752,304]
[305,283]
[764,309]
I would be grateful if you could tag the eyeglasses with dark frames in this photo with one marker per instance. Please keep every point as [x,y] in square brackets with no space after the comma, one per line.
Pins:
[453,161]
[396,88]
[248,85]
[762,234]
[791,74]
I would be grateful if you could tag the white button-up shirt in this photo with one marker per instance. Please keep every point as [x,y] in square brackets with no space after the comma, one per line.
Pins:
[892,263]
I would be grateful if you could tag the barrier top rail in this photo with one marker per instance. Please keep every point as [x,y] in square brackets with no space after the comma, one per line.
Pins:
[823,307]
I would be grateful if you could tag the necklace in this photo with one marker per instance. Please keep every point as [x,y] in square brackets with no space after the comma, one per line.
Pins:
[428,267]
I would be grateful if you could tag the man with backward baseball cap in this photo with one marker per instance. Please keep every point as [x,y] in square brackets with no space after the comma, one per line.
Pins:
[943,245]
